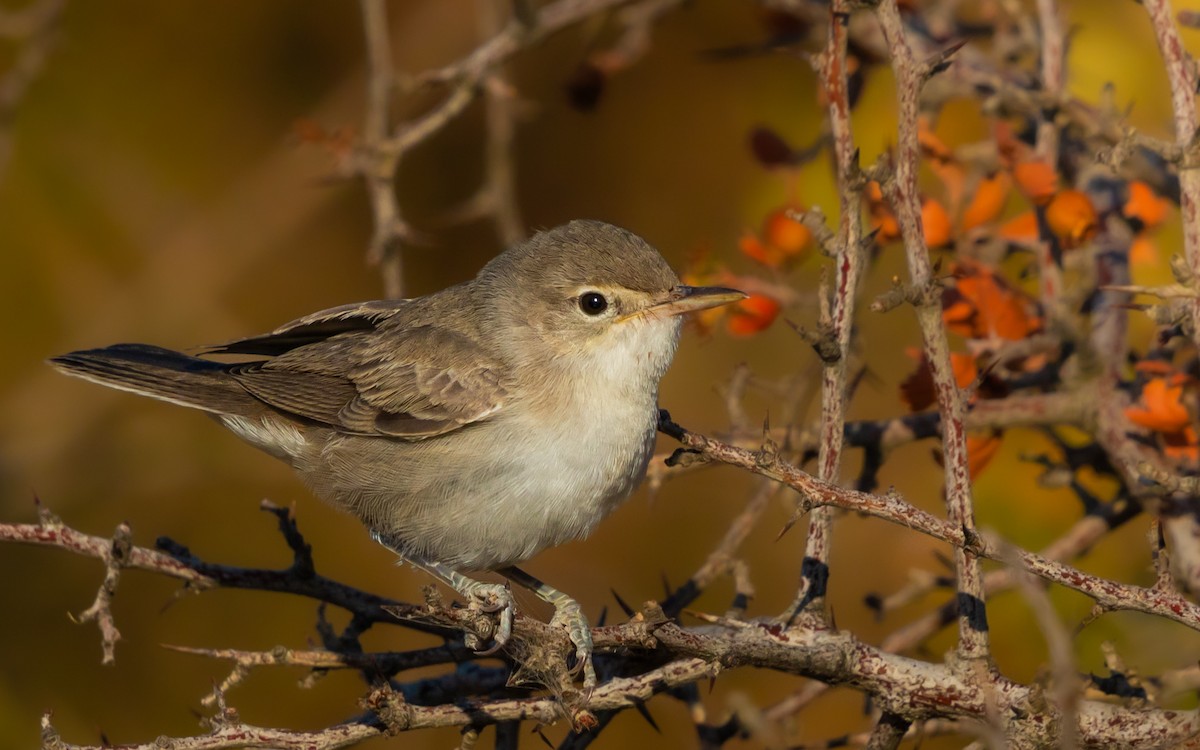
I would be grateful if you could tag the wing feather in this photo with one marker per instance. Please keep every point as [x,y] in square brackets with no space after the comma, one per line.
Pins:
[348,369]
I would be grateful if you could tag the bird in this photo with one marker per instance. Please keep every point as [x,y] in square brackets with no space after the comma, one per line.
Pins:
[468,429]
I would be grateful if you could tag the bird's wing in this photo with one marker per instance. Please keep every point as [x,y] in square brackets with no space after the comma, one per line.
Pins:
[343,369]
[315,328]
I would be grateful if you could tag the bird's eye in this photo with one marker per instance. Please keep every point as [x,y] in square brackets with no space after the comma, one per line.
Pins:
[592,303]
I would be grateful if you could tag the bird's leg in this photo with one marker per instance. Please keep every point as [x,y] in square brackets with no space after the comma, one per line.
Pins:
[480,595]
[567,614]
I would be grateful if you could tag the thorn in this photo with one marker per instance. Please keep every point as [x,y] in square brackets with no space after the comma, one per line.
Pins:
[645,712]
[787,526]
[603,617]
[628,610]
[874,602]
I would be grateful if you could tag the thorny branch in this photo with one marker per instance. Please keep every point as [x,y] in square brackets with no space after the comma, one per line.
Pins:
[910,75]
[907,688]
[838,299]
[1085,386]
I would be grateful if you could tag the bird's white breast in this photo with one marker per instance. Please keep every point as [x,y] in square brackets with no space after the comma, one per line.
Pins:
[583,454]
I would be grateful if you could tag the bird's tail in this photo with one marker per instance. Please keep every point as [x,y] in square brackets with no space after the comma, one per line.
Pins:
[163,374]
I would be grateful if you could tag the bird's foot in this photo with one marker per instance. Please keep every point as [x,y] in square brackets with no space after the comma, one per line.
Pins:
[485,598]
[493,599]
[569,615]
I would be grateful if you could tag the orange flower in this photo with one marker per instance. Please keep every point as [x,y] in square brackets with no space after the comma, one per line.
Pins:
[980,304]
[936,223]
[1037,181]
[988,201]
[1145,205]
[1072,218]
[752,315]
[1161,408]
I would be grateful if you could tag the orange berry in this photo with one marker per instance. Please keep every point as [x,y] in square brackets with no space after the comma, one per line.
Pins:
[785,233]
[753,248]
[752,315]
[784,240]
[1072,218]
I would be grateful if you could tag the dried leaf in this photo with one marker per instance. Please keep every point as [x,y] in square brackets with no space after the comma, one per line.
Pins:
[770,149]
[586,86]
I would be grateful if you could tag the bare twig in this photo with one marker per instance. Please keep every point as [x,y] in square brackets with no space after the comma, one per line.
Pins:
[377,164]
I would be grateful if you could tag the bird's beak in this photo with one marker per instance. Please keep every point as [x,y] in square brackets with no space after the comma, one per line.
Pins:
[688,299]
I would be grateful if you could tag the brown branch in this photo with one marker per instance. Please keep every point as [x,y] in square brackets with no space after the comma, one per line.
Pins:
[500,182]
[838,297]
[891,507]
[100,611]
[384,144]
[904,687]
[910,76]
[1053,57]
[377,164]
[199,575]
[1181,73]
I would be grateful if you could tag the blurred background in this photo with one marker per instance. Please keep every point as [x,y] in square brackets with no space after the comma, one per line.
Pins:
[156,190]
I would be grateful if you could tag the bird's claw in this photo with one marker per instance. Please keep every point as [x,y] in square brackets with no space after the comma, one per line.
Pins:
[569,615]
[492,598]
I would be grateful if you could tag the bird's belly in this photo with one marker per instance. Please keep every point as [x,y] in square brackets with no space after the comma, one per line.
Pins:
[498,494]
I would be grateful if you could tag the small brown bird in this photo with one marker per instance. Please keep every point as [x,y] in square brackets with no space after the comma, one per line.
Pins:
[468,429]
